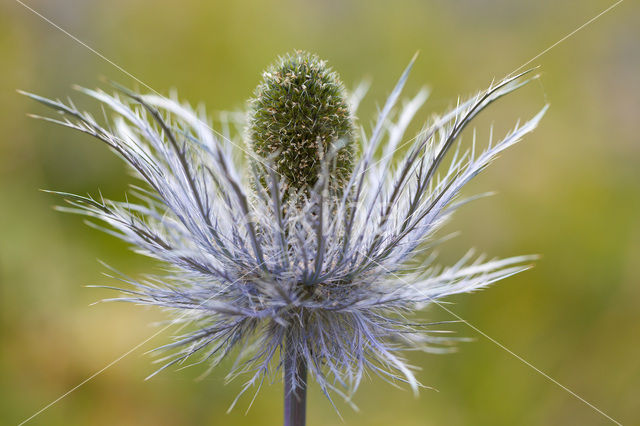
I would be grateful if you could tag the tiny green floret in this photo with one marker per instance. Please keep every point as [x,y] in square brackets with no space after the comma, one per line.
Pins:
[298,116]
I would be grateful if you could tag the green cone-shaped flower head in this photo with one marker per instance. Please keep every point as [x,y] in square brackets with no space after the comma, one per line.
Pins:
[298,116]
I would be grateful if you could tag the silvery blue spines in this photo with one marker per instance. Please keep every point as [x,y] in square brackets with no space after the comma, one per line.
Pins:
[330,277]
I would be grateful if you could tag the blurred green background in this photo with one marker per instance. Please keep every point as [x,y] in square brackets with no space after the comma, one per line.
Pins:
[570,192]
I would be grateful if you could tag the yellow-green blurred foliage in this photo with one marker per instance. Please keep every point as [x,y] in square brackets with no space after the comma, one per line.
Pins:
[570,192]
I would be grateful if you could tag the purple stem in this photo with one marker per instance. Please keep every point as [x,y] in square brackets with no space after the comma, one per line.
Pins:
[295,398]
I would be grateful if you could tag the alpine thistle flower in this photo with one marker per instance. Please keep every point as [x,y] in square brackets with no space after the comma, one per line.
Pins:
[298,114]
[320,285]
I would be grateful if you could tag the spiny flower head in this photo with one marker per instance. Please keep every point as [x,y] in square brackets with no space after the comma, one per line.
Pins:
[334,280]
[300,115]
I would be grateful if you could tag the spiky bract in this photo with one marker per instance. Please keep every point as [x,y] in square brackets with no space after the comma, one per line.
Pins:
[334,278]
[299,116]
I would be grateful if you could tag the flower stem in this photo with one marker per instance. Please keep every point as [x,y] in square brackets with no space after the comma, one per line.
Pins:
[295,390]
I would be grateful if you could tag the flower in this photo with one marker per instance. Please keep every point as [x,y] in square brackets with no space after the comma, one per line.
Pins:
[299,254]
[298,115]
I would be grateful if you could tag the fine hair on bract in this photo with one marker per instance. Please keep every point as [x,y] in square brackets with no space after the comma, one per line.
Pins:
[328,275]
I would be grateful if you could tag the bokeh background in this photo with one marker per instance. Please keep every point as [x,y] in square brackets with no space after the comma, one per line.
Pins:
[570,192]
